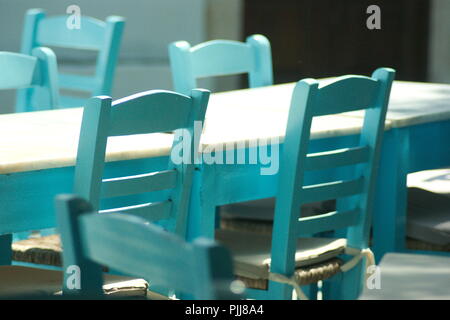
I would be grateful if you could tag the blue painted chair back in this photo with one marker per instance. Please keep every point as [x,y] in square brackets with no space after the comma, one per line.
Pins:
[37,70]
[219,58]
[355,193]
[146,112]
[133,246]
[93,34]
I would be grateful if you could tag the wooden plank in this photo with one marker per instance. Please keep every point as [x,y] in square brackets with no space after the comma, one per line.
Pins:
[337,158]
[149,112]
[326,222]
[354,92]
[149,211]
[332,190]
[154,181]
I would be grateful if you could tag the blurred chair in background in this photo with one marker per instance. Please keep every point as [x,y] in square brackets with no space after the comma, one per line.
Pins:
[37,71]
[220,58]
[133,246]
[93,34]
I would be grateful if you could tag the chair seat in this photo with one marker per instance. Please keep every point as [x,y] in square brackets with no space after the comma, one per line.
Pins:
[18,281]
[258,210]
[40,250]
[257,215]
[251,252]
[428,217]
[247,225]
[304,276]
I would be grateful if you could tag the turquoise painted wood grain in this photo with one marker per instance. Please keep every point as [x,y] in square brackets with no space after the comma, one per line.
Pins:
[94,34]
[146,112]
[131,245]
[219,58]
[37,71]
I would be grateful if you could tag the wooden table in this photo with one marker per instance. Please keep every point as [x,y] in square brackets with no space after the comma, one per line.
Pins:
[411,277]
[416,138]
[38,152]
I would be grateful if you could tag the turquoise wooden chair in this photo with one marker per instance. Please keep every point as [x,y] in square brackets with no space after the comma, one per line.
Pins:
[161,196]
[146,112]
[219,58]
[132,245]
[37,71]
[296,254]
[93,34]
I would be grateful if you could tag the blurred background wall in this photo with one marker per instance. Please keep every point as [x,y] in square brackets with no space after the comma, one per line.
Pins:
[310,38]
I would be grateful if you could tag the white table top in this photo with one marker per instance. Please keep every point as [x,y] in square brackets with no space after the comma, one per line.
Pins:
[413,103]
[412,277]
[49,139]
[410,103]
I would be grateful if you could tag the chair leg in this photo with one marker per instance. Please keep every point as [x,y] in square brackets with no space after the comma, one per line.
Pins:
[331,287]
[279,291]
[345,285]
[310,291]
[5,249]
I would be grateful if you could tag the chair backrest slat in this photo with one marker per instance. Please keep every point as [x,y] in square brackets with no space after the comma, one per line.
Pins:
[208,58]
[308,226]
[90,35]
[337,158]
[149,182]
[331,190]
[102,238]
[220,58]
[153,211]
[148,112]
[336,98]
[135,247]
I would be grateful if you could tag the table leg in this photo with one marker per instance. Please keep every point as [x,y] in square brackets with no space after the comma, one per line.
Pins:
[389,216]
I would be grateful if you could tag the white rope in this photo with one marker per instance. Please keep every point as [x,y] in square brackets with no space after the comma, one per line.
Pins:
[357,254]
[281,278]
